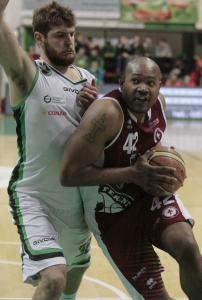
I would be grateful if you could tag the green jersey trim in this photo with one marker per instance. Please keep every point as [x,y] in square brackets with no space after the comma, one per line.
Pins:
[74,83]
[31,89]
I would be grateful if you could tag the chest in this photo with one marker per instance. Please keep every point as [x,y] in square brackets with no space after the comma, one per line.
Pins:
[135,138]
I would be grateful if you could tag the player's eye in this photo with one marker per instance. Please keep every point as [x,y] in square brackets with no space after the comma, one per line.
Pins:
[135,80]
[59,36]
[151,83]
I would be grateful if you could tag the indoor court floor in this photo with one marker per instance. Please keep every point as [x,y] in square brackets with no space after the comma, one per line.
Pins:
[100,281]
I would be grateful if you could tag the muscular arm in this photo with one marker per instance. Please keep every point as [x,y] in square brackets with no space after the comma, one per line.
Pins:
[16,63]
[101,123]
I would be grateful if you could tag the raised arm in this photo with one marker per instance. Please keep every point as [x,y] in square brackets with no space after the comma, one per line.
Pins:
[17,64]
[101,124]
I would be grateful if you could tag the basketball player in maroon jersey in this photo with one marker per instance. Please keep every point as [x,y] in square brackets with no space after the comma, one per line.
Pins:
[101,157]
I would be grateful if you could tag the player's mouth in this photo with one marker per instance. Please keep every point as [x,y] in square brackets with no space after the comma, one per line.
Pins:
[69,51]
[141,98]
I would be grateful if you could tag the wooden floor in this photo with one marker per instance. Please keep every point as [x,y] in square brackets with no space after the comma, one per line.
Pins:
[100,280]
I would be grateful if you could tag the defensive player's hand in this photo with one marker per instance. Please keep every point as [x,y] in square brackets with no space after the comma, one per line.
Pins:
[89,93]
[147,175]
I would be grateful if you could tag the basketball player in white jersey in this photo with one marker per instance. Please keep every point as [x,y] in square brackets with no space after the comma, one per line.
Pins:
[45,98]
[125,220]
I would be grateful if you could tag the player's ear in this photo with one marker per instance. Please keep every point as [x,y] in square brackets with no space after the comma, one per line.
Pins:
[38,38]
[121,81]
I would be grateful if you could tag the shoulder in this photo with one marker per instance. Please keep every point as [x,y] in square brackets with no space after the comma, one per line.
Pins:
[107,109]
[116,94]
[104,117]
[84,73]
[162,100]
[109,105]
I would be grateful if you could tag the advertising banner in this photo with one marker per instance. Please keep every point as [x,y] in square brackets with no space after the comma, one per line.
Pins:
[160,11]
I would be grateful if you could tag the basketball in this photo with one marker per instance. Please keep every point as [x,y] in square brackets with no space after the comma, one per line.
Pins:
[166,156]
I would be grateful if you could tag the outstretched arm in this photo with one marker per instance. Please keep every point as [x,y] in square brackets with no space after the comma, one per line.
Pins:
[101,124]
[16,63]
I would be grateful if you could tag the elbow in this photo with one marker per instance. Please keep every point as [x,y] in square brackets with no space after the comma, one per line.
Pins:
[67,178]
[64,181]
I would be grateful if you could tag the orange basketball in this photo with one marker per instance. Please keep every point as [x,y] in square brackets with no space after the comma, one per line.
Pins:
[166,156]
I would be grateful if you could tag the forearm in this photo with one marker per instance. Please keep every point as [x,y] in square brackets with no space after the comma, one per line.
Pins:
[3,5]
[10,53]
[92,175]
[141,173]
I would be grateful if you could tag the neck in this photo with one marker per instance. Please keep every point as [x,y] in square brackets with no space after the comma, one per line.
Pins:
[61,69]
[141,117]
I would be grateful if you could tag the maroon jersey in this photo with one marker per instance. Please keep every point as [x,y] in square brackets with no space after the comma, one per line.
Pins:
[124,219]
[135,137]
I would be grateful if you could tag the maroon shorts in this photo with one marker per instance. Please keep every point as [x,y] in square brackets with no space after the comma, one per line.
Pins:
[129,235]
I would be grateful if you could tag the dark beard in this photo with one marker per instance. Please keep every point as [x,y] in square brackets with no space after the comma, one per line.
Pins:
[56,59]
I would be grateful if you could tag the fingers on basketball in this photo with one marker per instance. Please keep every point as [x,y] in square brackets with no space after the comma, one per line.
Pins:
[167,156]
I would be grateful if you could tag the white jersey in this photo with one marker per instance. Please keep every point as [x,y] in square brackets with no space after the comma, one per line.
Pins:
[46,118]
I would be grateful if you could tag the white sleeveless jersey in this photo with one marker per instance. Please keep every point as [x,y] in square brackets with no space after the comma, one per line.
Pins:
[45,120]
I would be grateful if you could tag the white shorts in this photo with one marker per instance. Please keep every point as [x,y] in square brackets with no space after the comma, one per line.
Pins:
[50,236]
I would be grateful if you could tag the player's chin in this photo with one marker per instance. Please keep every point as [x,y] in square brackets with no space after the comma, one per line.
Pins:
[69,60]
[141,107]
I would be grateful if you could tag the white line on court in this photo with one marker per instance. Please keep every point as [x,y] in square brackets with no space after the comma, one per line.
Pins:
[9,243]
[118,292]
[109,286]
[10,263]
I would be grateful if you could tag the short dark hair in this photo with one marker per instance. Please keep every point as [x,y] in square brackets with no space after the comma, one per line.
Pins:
[51,15]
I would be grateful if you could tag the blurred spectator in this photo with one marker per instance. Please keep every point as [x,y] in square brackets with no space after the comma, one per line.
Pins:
[196,74]
[94,55]
[91,45]
[81,58]
[163,49]
[136,47]
[188,82]
[96,71]
[32,53]
[180,62]
[164,57]
[174,80]
[109,56]
[122,54]
[79,41]
[149,48]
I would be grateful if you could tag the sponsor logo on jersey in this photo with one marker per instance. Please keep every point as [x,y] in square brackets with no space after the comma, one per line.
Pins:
[120,198]
[74,91]
[170,212]
[55,100]
[43,240]
[129,124]
[151,283]
[44,68]
[156,121]
[157,135]
[142,271]
[53,113]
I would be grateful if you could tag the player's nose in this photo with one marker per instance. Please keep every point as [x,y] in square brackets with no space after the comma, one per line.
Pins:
[142,88]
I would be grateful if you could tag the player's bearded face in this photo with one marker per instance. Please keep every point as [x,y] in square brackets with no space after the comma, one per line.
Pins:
[64,57]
